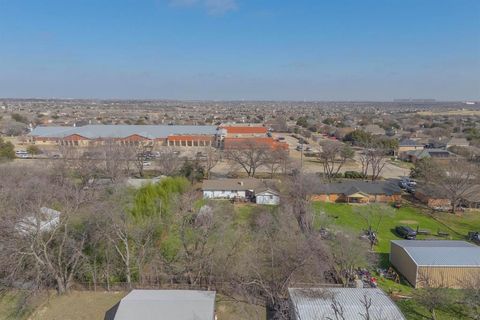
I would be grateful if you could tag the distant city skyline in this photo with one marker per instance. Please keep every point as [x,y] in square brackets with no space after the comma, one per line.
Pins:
[350,50]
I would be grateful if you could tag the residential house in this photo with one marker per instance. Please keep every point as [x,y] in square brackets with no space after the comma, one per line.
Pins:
[357,191]
[435,197]
[458,142]
[438,154]
[408,145]
[260,191]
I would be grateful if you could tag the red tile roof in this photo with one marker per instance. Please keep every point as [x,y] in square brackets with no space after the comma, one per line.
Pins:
[245,130]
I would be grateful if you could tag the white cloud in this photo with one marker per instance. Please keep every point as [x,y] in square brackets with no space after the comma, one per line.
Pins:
[213,7]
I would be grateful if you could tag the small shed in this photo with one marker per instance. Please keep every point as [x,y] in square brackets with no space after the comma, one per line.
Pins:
[164,304]
[321,303]
[267,196]
[436,263]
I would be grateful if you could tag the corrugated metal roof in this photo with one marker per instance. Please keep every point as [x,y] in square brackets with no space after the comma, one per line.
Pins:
[167,304]
[316,304]
[441,253]
[122,131]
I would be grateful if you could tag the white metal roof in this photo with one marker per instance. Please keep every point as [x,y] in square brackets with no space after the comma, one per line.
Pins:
[441,253]
[122,131]
[316,303]
[167,304]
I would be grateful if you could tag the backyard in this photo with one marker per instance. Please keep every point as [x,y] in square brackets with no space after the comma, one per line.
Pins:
[457,227]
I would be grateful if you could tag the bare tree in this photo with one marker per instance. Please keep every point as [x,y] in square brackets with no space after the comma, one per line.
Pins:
[275,160]
[373,216]
[279,255]
[347,255]
[114,158]
[41,244]
[297,199]
[456,180]
[364,159]
[249,154]
[168,161]
[212,158]
[333,156]
[377,159]
[117,221]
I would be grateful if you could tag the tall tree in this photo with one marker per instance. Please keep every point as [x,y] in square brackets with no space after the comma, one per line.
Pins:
[249,155]
[333,156]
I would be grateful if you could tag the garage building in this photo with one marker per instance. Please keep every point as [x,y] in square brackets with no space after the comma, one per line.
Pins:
[436,263]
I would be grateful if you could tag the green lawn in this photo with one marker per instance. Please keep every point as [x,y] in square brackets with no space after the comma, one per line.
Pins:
[343,215]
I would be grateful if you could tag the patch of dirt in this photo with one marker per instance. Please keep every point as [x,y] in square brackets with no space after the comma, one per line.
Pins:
[408,221]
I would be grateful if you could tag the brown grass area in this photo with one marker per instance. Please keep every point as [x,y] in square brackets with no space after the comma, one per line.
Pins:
[87,305]
[77,306]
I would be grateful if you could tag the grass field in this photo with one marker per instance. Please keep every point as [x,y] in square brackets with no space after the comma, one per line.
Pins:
[456,226]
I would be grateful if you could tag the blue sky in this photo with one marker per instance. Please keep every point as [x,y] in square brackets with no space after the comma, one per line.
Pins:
[241,49]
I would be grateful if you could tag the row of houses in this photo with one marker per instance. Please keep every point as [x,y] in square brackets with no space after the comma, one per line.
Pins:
[413,151]
[264,191]
[186,136]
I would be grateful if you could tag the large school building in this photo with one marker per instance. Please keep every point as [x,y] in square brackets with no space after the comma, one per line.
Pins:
[154,135]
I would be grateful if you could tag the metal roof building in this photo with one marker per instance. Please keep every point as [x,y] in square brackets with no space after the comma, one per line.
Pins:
[122,131]
[164,304]
[318,304]
[436,262]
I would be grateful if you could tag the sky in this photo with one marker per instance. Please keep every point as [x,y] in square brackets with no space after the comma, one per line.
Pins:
[240,49]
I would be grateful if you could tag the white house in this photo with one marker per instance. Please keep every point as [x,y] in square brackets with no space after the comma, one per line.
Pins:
[256,190]
[267,196]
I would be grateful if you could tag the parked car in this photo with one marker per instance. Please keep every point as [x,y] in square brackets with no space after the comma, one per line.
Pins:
[474,236]
[406,232]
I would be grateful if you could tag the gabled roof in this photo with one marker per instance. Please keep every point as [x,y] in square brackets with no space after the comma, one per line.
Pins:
[447,253]
[238,184]
[316,303]
[458,142]
[348,187]
[429,153]
[263,190]
[409,143]
[166,304]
